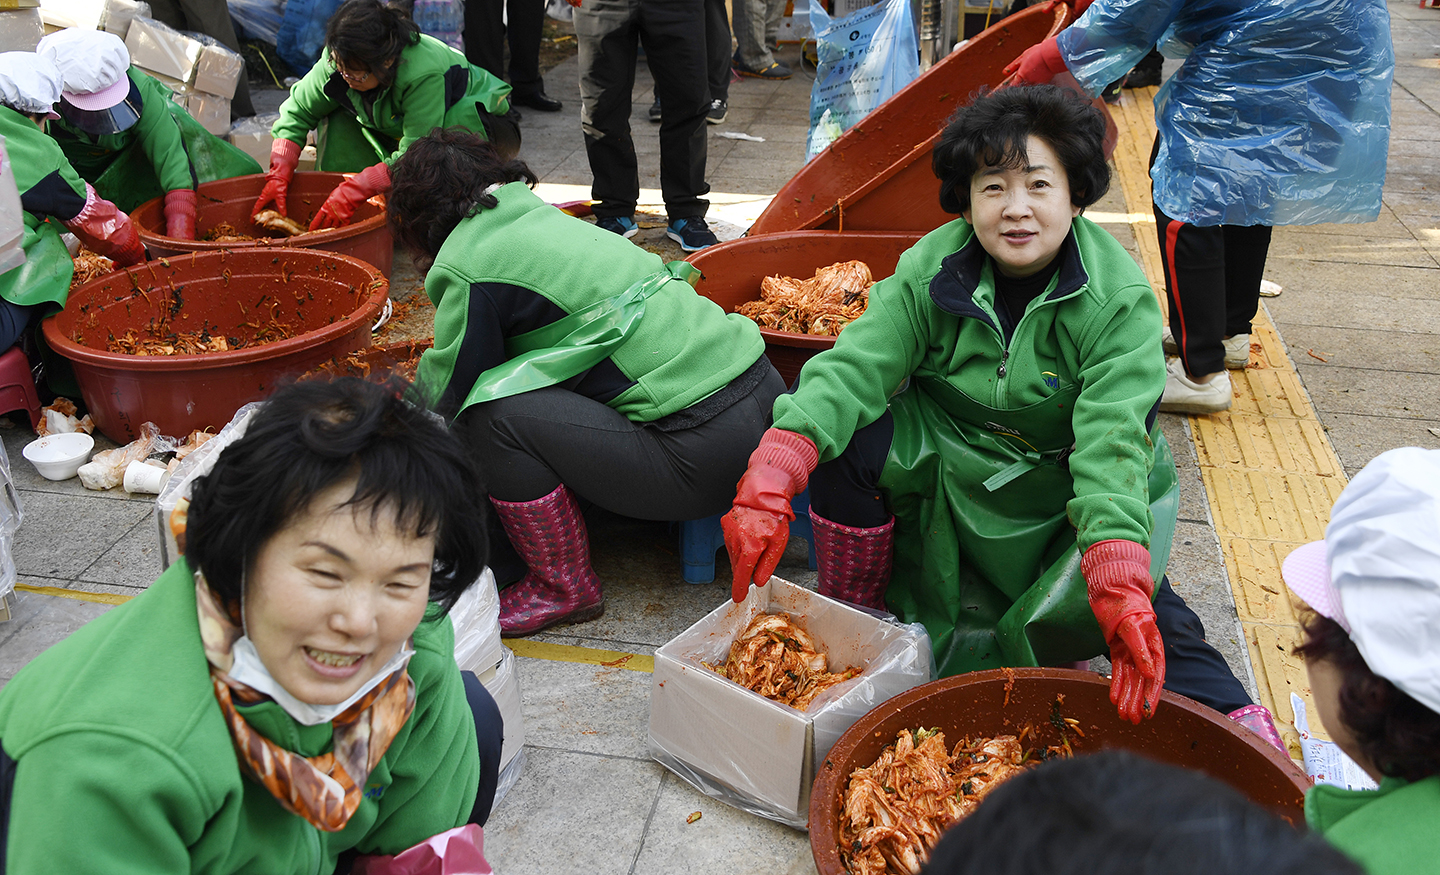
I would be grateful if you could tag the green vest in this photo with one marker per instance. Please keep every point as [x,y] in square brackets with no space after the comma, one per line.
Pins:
[1389,831]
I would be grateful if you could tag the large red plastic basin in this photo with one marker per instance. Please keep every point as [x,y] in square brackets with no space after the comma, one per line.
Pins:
[1182,732]
[733,271]
[327,301]
[367,237]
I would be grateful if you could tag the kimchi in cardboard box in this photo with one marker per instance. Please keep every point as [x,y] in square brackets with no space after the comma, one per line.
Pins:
[758,755]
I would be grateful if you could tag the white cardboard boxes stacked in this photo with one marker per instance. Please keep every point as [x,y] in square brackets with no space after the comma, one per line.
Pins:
[203,75]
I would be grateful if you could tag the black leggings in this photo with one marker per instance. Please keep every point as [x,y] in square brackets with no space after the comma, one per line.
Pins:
[490,736]
[846,490]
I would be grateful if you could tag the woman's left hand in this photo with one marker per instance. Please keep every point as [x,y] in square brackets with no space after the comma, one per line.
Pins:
[340,206]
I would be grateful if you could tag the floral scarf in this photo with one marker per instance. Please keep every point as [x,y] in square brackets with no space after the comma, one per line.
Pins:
[325,790]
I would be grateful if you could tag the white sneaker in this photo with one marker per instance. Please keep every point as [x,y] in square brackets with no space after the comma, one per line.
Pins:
[1237,348]
[1183,395]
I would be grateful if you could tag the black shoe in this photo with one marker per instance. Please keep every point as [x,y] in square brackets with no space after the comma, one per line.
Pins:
[1139,78]
[537,99]
[514,115]
[775,71]
[717,112]
[655,111]
[692,234]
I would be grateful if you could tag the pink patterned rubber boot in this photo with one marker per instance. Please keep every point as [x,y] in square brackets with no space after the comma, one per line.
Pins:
[854,564]
[560,587]
[1257,719]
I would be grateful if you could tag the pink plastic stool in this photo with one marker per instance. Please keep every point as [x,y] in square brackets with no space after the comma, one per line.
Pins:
[17,385]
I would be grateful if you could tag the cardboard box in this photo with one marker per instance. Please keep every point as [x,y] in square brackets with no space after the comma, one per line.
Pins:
[748,751]
[118,14]
[20,30]
[503,684]
[252,136]
[156,48]
[308,157]
[218,71]
[212,112]
[72,13]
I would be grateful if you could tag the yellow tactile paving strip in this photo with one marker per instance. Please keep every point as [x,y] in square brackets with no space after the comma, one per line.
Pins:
[1270,472]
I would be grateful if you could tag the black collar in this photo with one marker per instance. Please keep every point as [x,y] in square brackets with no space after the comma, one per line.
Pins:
[953,288]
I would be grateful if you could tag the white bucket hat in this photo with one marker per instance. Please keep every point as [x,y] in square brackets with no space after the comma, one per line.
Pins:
[1377,573]
[29,83]
[94,64]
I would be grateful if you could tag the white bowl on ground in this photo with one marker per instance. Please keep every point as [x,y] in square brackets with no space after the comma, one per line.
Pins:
[59,456]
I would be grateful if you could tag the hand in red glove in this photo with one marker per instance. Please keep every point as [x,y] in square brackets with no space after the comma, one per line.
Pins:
[758,526]
[107,231]
[1037,65]
[1117,577]
[284,157]
[351,193]
[180,214]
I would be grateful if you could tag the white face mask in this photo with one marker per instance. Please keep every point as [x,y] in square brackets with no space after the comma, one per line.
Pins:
[250,671]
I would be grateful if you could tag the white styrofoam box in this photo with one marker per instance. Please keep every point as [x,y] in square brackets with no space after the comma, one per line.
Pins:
[156,48]
[20,30]
[218,71]
[503,684]
[211,111]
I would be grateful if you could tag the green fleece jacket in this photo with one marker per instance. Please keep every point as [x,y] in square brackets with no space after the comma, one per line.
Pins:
[434,87]
[124,763]
[50,190]
[1096,327]
[1394,830]
[496,266]
[156,132]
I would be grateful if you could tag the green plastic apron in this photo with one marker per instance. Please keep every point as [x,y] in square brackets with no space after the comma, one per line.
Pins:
[45,276]
[570,346]
[985,555]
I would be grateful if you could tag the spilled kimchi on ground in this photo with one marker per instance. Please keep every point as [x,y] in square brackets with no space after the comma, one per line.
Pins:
[780,661]
[823,304]
[897,809]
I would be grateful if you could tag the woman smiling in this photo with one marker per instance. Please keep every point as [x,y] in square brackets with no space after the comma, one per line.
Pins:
[286,693]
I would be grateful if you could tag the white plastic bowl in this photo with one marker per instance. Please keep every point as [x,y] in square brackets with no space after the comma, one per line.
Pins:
[59,456]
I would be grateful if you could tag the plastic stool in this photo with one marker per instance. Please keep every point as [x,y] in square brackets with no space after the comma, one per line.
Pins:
[17,385]
[701,539]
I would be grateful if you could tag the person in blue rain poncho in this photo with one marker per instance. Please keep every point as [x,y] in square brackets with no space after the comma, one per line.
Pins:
[1278,115]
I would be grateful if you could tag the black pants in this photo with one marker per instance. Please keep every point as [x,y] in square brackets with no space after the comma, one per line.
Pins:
[490,736]
[674,31]
[486,32]
[846,490]
[717,49]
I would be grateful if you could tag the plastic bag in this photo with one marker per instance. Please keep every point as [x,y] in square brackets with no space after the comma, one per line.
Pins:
[442,19]
[12,218]
[195,464]
[11,515]
[560,10]
[476,618]
[302,32]
[118,14]
[459,851]
[863,59]
[258,19]
[106,469]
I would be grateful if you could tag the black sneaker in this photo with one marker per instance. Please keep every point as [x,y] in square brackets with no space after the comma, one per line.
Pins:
[622,225]
[717,112]
[692,234]
[655,111]
[775,71]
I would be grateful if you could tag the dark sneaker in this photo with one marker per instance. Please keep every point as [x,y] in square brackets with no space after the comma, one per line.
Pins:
[622,225]
[775,71]
[692,234]
[717,112]
[655,111]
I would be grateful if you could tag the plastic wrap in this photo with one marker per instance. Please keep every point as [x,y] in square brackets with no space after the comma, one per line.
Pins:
[196,464]
[302,32]
[106,469]
[118,14]
[11,515]
[12,217]
[864,58]
[158,48]
[258,19]
[1280,114]
[476,618]
[735,745]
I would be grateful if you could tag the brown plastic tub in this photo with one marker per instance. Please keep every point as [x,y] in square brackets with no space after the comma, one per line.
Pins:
[733,271]
[230,200]
[1182,732]
[877,175]
[326,301]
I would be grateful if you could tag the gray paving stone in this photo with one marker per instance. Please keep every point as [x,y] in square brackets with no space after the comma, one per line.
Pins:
[723,839]
[133,561]
[589,708]
[1416,351]
[36,623]
[1359,438]
[1372,393]
[61,535]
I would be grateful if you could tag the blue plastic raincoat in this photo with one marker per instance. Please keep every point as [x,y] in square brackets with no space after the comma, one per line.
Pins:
[1280,114]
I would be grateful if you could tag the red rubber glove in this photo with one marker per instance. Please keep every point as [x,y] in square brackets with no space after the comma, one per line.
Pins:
[284,157]
[107,231]
[758,526]
[1037,65]
[351,193]
[1117,577]
[180,214]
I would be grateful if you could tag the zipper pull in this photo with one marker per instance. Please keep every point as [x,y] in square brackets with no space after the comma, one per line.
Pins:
[1000,371]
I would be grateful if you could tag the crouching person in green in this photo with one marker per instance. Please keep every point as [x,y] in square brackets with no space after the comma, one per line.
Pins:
[287,691]
[986,433]
[576,365]
[379,86]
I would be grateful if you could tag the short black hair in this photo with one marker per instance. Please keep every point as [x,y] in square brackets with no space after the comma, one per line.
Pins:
[992,130]
[440,180]
[315,434]
[1117,813]
[1396,733]
[370,34]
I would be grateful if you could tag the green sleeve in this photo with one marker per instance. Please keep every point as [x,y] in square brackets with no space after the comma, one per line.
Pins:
[451,297]
[35,156]
[307,104]
[422,110]
[847,387]
[101,802]
[1122,374]
[159,135]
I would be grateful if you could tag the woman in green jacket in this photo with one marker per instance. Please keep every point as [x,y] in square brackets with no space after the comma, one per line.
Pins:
[988,426]
[575,364]
[287,691]
[1370,649]
[378,87]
